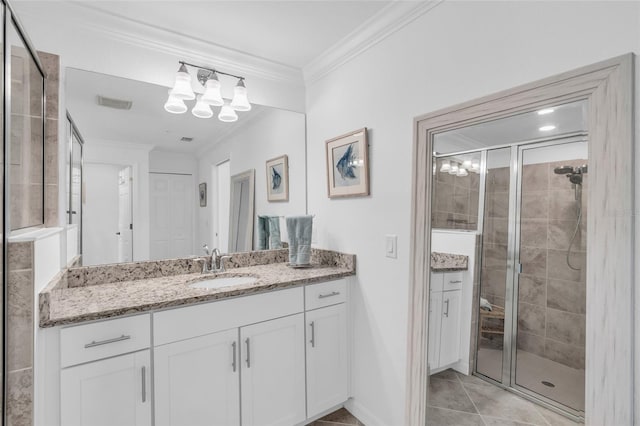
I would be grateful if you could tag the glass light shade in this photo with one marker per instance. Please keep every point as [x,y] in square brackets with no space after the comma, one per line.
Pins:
[462,172]
[466,164]
[182,87]
[212,95]
[240,102]
[175,105]
[227,114]
[475,164]
[454,169]
[202,109]
[445,167]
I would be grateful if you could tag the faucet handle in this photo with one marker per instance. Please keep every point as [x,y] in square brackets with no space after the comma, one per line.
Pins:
[222,259]
[205,247]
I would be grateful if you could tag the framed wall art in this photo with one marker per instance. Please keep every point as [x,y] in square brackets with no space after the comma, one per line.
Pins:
[202,190]
[348,165]
[278,179]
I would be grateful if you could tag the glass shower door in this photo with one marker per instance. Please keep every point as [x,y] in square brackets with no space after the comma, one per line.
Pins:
[549,300]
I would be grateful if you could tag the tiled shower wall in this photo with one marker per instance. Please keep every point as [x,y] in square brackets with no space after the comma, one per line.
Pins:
[20,279]
[455,200]
[551,297]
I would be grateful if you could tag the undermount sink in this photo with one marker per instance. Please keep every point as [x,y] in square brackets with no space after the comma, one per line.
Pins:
[220,282]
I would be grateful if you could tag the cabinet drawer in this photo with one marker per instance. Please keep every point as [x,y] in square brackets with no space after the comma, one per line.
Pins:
[452,280]
[192,321]
[325,294]
[436,282]
[89,342]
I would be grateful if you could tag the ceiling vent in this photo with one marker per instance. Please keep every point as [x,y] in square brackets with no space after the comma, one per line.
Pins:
[113,103]
[185,139]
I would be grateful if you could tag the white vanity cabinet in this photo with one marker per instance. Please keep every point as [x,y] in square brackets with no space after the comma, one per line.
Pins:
[106,375]
[444,318]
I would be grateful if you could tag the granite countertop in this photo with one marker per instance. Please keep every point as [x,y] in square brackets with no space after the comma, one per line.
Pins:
[444,262]
[62,304]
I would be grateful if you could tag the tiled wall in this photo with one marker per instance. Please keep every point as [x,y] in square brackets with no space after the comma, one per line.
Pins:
[455,200]
[551,297]
[51,64]
[20,319]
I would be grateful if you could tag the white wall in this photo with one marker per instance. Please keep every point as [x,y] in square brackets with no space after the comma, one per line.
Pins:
[137,156]
[456,52]
[273,133]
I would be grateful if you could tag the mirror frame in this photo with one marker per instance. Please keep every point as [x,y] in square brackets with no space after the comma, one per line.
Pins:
[611,344]
[233,228]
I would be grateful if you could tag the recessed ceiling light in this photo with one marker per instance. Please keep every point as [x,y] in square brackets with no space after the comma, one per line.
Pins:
[547,128]
[546,111]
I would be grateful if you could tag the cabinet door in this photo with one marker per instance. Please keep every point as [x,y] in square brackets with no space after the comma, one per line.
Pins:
[326,358]
[110,392]
[435,310]
[273,389]
[197,381]
[450,330]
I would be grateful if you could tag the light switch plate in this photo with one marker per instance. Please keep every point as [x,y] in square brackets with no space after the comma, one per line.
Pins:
[391,246]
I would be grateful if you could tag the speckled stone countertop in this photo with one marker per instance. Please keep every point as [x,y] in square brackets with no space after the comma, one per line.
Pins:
[75,295]
[443,262]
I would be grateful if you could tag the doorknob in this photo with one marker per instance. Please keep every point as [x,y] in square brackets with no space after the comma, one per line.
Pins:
[117,233]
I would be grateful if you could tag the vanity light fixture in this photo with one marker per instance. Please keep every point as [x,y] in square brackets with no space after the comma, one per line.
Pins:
[462,172]
[466,164]
[445,167]
[453,169]
[547,128]
[212,96]
[545,111]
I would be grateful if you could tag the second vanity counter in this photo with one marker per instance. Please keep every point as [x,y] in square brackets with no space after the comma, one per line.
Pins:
[92,298]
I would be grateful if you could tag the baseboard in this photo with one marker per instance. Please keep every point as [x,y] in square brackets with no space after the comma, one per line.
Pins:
[362,413]
[462,367]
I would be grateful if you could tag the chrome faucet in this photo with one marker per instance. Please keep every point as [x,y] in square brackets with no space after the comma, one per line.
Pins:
[211,262]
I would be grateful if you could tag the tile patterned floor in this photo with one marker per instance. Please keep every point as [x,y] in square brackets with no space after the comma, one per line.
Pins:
[340,417]
[459,400]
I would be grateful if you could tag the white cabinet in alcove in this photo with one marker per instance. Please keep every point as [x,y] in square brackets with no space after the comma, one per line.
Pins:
[110,392]
[197,381]
[444,319]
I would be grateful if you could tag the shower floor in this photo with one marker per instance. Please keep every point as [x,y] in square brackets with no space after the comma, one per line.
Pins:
[532,370]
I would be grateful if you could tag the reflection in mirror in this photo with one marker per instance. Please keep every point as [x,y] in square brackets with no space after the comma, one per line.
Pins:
[241,215]
[125,129]
[510,194]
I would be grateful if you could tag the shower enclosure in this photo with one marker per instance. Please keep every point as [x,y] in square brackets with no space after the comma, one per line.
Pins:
[531,215]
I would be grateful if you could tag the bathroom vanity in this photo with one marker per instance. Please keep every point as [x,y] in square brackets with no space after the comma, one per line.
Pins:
[160,351]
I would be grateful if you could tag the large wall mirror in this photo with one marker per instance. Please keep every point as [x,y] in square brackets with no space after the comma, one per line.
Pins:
[157,185]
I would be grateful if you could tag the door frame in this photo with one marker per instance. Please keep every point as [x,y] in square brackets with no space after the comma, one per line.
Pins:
[610,344]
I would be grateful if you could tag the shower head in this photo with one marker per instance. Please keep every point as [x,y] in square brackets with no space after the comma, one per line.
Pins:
[563,170]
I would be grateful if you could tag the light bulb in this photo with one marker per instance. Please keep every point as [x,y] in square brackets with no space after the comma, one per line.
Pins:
[175,105]
[454,169]
[182,87]
[240,101]
[202,109]
[466,164]
[545,111]
[462,172]
[475,164]
[547,128]
[212,95]
[227,114]
[445,167]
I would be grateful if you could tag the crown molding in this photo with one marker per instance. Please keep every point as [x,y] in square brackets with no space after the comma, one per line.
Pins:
[136,33]
[380,26]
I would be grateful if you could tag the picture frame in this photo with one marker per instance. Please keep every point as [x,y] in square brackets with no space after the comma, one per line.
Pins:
[348,165]
[202,190]
[278,178]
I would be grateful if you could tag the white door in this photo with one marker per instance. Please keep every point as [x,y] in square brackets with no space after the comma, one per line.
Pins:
[100,216]
[111,392]
[327,358]
[450,330]
[223,198]
[272,379]
[197,381]
[171,215]
[435,312]
[125,219]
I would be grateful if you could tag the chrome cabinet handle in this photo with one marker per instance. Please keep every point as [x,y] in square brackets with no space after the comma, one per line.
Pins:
[106,342]
[455,282]
[446,313]
[248,353]
[233,363]
[144,384]
[313,334]
[333,293]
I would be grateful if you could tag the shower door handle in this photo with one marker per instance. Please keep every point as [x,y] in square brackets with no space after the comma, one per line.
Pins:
[446,312]
[519,268]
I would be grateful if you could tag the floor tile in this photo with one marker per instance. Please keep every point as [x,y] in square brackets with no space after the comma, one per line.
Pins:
[448,374]
[555,419]
[449,394]
[341,416]
[496,421]
[496,402]
[442,417]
